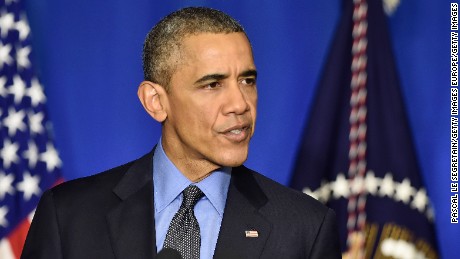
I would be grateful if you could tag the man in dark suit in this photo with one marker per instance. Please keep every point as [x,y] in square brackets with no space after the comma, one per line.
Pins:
[200,84]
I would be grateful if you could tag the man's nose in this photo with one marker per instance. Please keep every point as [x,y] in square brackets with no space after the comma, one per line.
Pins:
[235,100]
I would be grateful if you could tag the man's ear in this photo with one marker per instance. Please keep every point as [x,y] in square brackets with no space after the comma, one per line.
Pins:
[153,98]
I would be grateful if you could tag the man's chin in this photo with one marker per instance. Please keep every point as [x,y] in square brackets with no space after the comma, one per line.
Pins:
[233,159]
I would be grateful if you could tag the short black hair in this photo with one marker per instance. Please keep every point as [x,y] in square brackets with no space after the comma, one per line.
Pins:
[162,46]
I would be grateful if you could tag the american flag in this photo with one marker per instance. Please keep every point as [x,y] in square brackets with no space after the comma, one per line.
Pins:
[357,153]
[29,162]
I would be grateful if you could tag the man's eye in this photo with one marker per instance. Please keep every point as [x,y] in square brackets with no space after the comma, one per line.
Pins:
[249,81]
[212,85]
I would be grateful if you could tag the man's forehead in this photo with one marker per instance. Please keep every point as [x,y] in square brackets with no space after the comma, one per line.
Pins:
[215,43]
[214,53]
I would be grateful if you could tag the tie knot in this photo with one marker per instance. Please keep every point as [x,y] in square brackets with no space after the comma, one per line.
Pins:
[191,196]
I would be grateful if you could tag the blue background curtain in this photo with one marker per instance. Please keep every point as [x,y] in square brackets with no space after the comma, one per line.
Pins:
[89,59]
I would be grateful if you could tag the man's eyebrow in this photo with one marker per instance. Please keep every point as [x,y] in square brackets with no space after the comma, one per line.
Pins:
[217,77]
[248,73]
[211,77]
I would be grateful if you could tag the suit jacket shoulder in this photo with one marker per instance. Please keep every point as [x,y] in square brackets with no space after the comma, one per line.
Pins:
[287,197]
[88,186]
[96,216]
[289,224]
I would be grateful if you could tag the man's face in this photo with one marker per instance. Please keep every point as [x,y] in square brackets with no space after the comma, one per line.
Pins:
[212,100]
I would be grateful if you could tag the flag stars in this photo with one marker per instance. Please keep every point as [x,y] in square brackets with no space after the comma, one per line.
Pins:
[23,28]
[9,153]
[387,187]
[26,150]
[5,57]
[371,183]
[18,89]
[420,200]
[404,191]
[358,185]
[51,158]
[15,121]
[397,191]
[3,212]
[29,186]
[31,154]
[6,186]
[35,122]
[324,192]
[35,92]
[6,23]
[22,57]
[340,187]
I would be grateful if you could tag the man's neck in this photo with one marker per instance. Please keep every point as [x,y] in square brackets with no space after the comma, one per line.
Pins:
[194,169]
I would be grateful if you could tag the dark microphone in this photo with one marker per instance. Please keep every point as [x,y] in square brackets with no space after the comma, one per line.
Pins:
[168,253]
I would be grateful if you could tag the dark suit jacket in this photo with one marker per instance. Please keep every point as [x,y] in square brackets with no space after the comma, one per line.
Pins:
[111,215]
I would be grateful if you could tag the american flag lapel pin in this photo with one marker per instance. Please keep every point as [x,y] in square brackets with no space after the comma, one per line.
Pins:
[251,233]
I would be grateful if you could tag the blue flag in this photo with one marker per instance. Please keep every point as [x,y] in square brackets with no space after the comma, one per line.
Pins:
[357,154]
[29,162]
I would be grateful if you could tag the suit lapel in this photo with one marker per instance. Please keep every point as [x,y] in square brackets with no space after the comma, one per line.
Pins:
[131,223]
[132,226]
[244,199]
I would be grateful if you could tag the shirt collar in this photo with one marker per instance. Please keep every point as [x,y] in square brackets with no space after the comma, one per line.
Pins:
[169,183]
